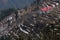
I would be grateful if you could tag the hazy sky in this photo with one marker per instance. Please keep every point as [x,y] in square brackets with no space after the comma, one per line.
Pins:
[14,3]
[4,1]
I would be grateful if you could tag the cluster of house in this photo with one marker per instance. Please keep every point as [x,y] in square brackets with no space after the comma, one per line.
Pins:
[7,23]
[23,15]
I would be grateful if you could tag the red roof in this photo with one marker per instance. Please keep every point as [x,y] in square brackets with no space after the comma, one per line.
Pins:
[45,9]
[49,7]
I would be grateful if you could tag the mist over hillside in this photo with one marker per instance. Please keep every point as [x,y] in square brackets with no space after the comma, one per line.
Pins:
[4,4]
